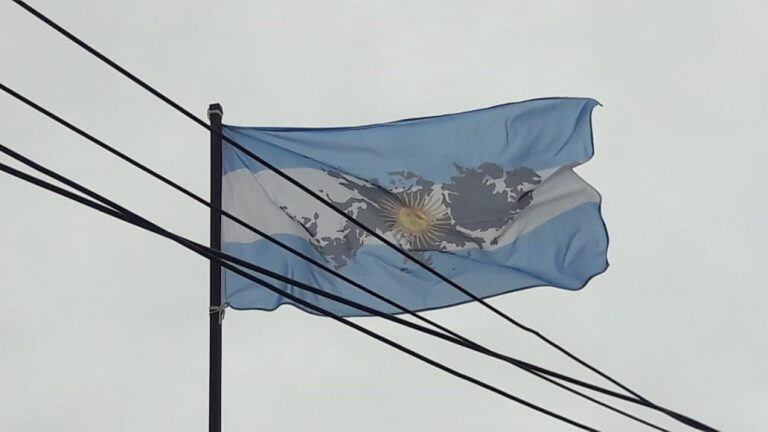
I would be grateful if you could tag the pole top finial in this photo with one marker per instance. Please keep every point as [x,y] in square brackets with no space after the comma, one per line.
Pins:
[215,108]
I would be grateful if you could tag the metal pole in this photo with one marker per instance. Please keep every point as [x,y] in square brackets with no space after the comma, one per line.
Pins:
[215,113]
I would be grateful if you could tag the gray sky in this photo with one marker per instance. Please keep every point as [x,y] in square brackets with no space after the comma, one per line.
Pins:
[104,327]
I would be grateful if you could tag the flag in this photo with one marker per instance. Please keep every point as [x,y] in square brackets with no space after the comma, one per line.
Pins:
[488,198]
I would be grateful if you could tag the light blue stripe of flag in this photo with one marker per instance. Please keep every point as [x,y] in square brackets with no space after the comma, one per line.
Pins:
[539,134]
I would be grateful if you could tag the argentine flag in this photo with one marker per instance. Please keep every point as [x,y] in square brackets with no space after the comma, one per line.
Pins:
[488,198]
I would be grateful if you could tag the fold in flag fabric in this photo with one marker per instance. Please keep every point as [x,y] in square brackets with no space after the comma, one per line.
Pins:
[488,198]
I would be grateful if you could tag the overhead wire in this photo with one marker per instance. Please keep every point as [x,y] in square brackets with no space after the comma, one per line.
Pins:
[317,197]
[113,150]
[213,255]
[684,419]
[457,338]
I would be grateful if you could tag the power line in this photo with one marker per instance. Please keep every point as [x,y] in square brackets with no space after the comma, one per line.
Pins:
[274,240]
[212,254]
[456,338]
[483,350]
[217,209]
[534,369]
[316,196]
[684,419]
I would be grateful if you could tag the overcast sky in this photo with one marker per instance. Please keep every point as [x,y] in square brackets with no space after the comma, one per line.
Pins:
[104,327]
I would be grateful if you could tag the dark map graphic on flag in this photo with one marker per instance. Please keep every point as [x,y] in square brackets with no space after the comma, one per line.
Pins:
[470,210]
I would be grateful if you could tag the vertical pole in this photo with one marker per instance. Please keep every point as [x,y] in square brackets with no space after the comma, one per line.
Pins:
[215,113]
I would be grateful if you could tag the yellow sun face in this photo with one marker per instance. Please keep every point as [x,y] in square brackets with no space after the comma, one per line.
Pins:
[413,220]
[417,218]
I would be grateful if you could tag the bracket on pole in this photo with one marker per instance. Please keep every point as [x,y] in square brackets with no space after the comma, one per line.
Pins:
[219,310]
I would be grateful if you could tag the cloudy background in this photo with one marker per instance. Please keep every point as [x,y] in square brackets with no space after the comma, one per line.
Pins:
[104,327]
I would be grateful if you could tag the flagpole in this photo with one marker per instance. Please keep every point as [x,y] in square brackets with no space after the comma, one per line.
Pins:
[215,113]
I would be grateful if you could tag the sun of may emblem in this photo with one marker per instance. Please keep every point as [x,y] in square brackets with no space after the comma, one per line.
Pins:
[417,217]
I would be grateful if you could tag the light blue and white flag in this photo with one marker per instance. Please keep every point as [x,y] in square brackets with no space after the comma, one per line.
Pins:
[488,198]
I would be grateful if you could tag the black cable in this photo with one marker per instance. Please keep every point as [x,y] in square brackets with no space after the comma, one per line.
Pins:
[135,163]
[197,198]
[316,196]
[536,370]
[684,419]
[210,254]
[217,209]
